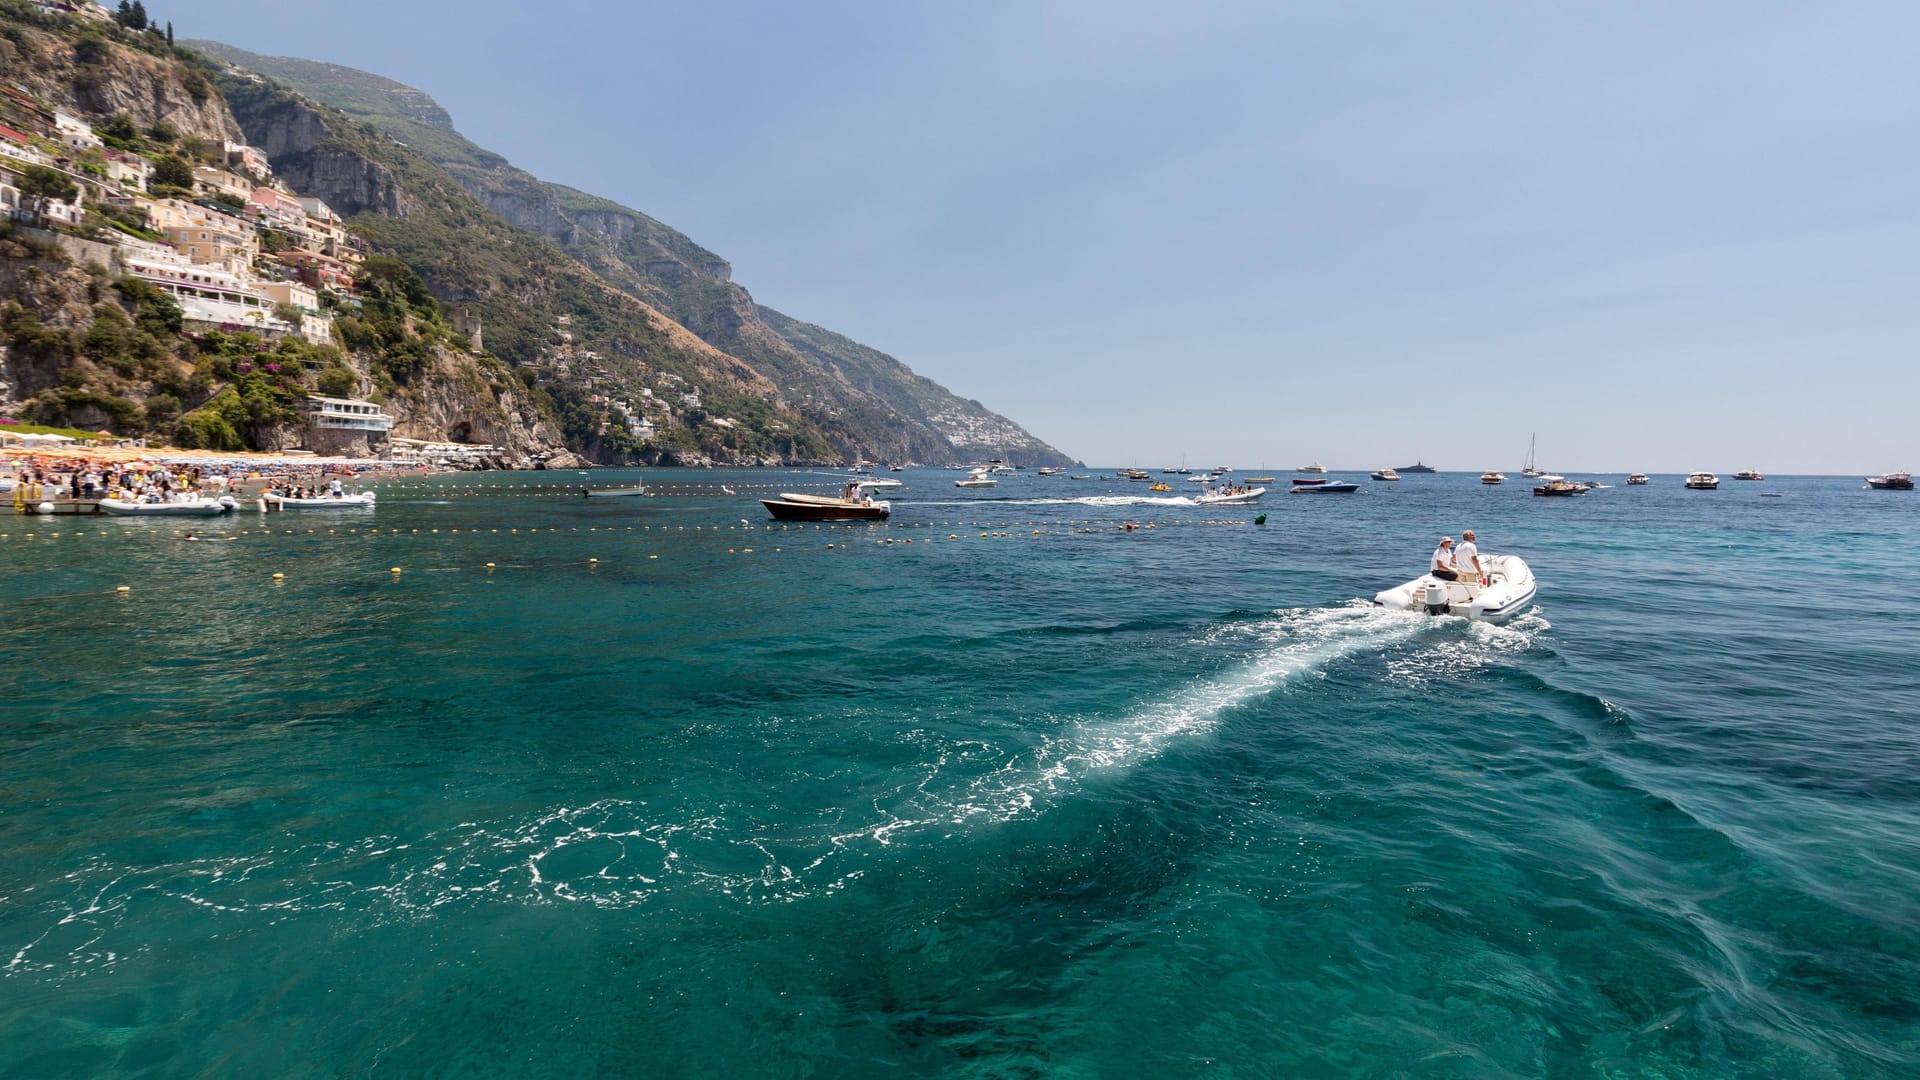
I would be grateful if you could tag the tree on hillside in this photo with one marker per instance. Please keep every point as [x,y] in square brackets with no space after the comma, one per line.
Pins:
[173,171]
[44,185]
[133,15]
[169,31]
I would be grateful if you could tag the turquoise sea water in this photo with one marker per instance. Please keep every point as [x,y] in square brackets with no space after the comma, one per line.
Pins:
[1086,803]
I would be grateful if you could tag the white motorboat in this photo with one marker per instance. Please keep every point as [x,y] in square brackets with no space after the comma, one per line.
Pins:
[178,506]
[358,501]
[613,493]
[1495,477]
[1384,475]
[1508,592]
[1229,497]
[1702,481]
[1637,479]
[1316,467]
[976,479]
[878,483]
[1200,478]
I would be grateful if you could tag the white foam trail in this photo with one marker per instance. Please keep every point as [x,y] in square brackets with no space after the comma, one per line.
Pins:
[1300,640]
[1089,500]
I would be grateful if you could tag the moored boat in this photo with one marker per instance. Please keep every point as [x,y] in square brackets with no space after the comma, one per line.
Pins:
[1559,485]
[1417,467]
[1702,481]
[1748,474]
[1510,589]
[1636,479]
[978,478]
[1384,474]
[614,493]
[178,506]
[1493,477]
[1324,487]
[1893,481]
[1316,467]
[795,507]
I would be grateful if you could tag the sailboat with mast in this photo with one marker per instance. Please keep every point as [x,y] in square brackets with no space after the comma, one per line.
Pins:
[1530,469]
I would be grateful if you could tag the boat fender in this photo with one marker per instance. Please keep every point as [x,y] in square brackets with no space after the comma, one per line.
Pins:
[1260,520]
[1436,598]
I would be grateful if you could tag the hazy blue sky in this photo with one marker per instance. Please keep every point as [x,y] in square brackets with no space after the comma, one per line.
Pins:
[1665,236]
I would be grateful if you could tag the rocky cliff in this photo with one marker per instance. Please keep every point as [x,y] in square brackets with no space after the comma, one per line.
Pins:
[86,74]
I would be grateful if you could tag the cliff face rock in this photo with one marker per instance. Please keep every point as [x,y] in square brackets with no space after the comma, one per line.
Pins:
[106,77]
[305,154]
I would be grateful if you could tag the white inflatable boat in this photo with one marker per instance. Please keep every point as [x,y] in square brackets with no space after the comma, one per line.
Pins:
[178,506]
[359,500]
[1508,592]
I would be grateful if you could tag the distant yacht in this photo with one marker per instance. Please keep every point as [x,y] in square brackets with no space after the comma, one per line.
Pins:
[1637,479]
[1530,469]
[1748,474]
[1702,481]
[1893,481]
[1417,467]
[1316,467]
[1493,477]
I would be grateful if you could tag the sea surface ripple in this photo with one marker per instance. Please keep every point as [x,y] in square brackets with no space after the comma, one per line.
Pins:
[1080,782]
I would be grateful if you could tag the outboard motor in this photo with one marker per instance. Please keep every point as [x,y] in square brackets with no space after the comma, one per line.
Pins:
[1436,598]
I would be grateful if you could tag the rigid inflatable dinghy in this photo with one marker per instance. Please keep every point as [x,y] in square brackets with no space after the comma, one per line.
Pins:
[1509,591]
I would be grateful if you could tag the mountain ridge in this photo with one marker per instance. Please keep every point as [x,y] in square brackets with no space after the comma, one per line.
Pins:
[866,403]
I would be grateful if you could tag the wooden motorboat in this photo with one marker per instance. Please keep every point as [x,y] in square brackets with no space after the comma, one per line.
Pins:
[792,507]
[1495,477]
[1559,485]
[1893,481]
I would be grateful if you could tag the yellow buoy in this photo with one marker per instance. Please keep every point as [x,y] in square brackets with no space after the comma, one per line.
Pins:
[395,570]
[123,588]
[279,577]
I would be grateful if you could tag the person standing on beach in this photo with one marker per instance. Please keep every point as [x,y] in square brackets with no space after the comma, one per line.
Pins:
[1466,559]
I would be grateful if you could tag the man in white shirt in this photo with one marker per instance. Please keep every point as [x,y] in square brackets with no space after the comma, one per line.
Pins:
[1466,559]
[1442,566]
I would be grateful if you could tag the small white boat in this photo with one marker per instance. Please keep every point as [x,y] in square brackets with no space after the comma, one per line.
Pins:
[1702,481]
[1316,467]
[1211,497]
[1508,592]
[1636,479]
[1384,474]
[1200,478]
[1493,477]
[178,506]
[978,478]
[358,501]
[875,483]
[614,493]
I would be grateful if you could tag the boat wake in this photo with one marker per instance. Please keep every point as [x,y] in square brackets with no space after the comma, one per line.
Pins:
[1089,500]
[623,852]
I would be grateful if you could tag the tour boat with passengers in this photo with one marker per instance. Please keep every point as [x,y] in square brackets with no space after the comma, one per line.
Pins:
[852,504]
[1893,481]
[1228,496]
[179,505]
[1509,591]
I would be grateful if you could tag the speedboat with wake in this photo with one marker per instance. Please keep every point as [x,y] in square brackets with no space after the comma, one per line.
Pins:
[1324,487]
[1228,496]
[362,500]
[1509,591]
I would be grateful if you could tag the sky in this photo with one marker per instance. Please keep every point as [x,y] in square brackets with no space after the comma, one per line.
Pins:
[1663,237]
